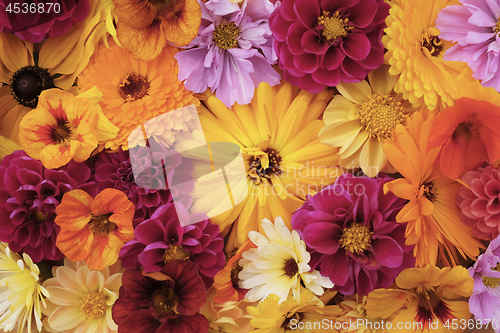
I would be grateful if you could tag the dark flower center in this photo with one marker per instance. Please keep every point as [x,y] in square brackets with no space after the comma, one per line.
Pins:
[175,253]
[287,326]
[433,44]
[260,174]
[430,191]
[225,34]
[133,87]
[234,275]
[27,83]
[430,307]
[469,128]
[356,238]
[165,302]
[94,305]
[62,132]
[291,267]
[101,225]
[334,26]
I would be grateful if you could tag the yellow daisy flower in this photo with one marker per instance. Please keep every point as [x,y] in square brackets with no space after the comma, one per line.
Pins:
[21,292]
[359,120]
[284,160]
[415,53]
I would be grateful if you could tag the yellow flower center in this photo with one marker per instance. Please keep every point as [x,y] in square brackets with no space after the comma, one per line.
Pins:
[39,216]
[175,253]
[291,268]
[433,44]
[133,87]
[334,26]
[356,238]
[28,82]
[490,282]
[264,164]
[94,305]
[225,34]
[496,28]
[429,191]
[101,225]
[165,302]
[380,114]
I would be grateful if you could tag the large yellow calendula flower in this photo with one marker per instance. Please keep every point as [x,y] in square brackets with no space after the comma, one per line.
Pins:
[415,53]
[284,160]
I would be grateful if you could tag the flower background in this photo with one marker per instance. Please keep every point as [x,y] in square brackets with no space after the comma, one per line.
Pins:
[249,165]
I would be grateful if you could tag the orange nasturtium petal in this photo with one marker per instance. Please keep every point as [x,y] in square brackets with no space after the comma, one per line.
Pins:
[74,212]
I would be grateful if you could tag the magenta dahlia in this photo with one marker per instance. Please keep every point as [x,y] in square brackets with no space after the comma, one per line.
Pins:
[352,225]
[35,20]
[480,205]
[325,42]
[167,304]
[162,239]
[29,195]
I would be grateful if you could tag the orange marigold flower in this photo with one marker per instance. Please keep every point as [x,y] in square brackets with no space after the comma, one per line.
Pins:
[145,26]
[226,280]
[63,127]
[468,131]
[94,230]
[434,224]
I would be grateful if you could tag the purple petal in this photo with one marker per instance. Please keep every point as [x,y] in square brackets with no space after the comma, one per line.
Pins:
[387,251]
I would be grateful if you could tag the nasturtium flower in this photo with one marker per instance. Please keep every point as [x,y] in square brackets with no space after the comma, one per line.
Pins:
[94,230]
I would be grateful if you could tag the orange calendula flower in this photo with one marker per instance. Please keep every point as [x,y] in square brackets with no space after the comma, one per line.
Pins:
[468,131]
[434,224]
[94,230]
[427,297]
[63,127]
[145,26]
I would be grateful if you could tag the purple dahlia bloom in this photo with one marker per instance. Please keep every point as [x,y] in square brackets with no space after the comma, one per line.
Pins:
[484,302]
[352,225]
[162,239]
[233,52]
[36,20]
[147,188]
[29,195]
[321,43]
[474,27]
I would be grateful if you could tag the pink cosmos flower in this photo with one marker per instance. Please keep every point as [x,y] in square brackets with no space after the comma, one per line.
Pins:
[324,42]
[233,52]
[475,27]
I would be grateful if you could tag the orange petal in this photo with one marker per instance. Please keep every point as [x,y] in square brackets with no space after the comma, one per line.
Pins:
[135,13]
[452,157]
[73,213]
[113,201]
[145,44]
[54,156]
[86,136]
[125,230]
[75,245]
[182,23]
[104,251]
[35,131]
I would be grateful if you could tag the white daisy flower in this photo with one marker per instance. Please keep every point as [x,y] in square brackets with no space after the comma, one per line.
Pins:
[278,264]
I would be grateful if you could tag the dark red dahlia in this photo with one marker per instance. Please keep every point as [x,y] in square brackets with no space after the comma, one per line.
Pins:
[324,42]
[162,239]
[168,303]
[29,195]
[352,227]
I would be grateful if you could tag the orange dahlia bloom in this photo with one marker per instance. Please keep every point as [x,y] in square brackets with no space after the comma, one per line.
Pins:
[434,224]
[63,127]
[145,26]
[94,230]
[468,131]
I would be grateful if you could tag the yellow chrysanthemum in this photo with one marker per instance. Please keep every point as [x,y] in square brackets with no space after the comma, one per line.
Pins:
[135,91]
[434,224]
[355,319]
[359,120]
[278,135]
[415,54]
[21,292]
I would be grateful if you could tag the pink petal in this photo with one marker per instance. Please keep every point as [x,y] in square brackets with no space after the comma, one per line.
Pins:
[307,11]
[313,43]
[306,62]
[356,46]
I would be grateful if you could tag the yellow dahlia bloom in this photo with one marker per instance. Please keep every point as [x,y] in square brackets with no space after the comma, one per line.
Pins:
[135,91]
[415,53]
[359,120]
[284,160]
[355,312]
[427,299]
[20,292]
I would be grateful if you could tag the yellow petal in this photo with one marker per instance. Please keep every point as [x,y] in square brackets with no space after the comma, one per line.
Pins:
[355,92]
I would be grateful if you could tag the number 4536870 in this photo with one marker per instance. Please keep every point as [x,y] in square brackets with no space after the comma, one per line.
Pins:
[33,8]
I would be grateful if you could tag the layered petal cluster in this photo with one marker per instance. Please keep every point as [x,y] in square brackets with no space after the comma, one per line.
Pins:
[415,54]
[29,196]
[428,296]
[81,299]
[279,265]
[479,202]
[352,225]
[94,230]
[167,303]
[233,52]
[434,224]
[474,26]
[48,21]
[162,238]
[325,42]
[355,312]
